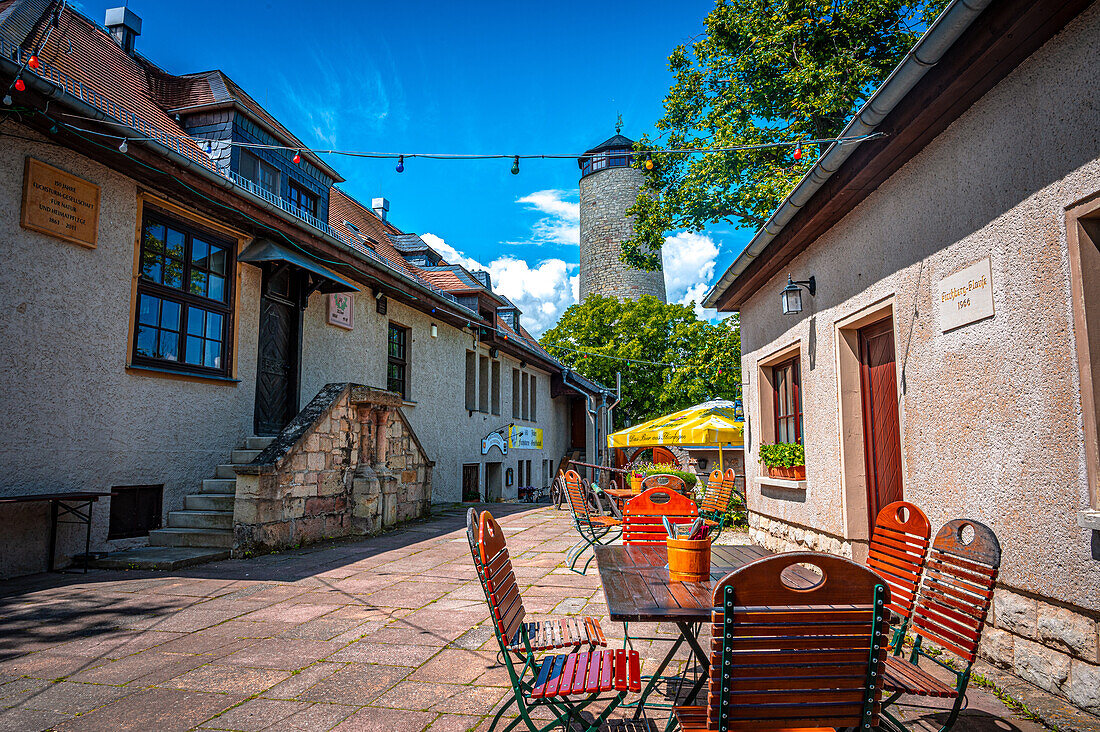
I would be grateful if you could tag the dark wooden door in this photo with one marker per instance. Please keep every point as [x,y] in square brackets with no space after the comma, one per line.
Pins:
[881,431]
[578,424]
[279,349]
[470,483]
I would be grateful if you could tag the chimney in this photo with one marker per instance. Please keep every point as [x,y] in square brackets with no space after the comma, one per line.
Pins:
[124,26]
[381,207]
[483,277]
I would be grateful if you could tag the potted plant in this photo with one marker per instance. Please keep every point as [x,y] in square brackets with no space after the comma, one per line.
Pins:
[784,460]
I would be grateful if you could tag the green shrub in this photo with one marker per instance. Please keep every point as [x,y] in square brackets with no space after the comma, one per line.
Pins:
[783,455]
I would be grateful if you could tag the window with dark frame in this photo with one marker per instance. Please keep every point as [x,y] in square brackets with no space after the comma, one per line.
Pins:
[787,398]
[397,368]
[184,294]
[135,510]
[302,198]
[259,172]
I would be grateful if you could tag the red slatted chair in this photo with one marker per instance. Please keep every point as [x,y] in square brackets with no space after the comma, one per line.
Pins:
[899,544]
[954,600]
[795,659]
[564,683]
[594,528]
[642,515]
[570,631]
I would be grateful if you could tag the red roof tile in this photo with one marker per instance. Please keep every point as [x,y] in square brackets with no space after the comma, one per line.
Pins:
[342,207]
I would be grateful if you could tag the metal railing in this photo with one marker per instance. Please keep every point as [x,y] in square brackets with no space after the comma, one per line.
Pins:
[179,145]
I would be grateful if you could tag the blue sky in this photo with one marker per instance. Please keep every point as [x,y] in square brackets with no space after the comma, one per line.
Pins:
[482,77]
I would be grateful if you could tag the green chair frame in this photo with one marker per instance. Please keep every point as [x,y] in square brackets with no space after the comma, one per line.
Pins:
[564,684]
[594,529]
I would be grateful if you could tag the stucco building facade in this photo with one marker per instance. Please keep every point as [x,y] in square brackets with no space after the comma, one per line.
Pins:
[981,197]
[167,355]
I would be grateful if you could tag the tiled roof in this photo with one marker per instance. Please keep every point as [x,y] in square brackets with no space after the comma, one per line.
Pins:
[342,207]
[102,67]
[443,278]
[461,278]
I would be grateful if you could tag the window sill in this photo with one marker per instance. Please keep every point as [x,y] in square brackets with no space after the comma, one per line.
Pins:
[1089,519]
[407,403]
[179,373]
[798,485]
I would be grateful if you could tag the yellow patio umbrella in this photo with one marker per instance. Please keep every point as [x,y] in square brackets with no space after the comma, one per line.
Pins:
[708,424]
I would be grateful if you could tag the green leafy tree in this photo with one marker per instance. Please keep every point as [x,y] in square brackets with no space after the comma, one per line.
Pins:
[764,71]
[651,334]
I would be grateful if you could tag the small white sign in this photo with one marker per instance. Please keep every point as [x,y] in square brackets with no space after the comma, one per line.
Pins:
[966,296]
[340,306]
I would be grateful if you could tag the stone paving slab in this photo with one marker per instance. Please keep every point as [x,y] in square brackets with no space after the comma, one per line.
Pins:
[387,634]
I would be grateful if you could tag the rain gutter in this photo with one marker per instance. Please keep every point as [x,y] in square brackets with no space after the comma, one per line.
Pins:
[927,52]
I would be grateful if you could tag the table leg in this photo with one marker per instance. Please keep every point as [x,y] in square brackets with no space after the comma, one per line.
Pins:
[53,535]
[688,633]
[88,536]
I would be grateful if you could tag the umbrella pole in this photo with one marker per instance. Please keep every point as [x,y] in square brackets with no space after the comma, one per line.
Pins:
[720,465]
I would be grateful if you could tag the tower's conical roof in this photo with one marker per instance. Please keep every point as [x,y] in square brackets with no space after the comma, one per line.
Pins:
[617,142]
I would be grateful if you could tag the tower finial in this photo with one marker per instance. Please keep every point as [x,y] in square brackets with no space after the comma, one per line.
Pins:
[619,124]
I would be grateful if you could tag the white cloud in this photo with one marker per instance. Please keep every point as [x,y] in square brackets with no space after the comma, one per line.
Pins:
[542,292]
[689,260]
[561,225]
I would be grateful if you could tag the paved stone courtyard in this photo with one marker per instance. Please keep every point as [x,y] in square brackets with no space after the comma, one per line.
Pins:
[386,634]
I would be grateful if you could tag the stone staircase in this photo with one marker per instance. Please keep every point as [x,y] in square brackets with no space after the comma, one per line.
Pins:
[207,516]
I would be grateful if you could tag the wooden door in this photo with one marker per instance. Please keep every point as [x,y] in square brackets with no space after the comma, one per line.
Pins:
[881,431]
[279,350]
[470,481]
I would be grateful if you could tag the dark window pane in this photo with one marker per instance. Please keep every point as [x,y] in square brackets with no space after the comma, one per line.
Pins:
[214,326]
[169,346]
[169,315]
[146,341]
[194,321]
[198,282]
[173,273]
[175,243]
[193,354]
[213,355]
[154,237]
[200,250]
[217,259]
[151,267]
[217,288]
[147,309]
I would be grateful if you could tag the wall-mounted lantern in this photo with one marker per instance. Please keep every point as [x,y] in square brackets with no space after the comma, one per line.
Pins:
[792,294]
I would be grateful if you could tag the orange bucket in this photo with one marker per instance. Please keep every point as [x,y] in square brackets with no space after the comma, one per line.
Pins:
[636,483]
[688,559]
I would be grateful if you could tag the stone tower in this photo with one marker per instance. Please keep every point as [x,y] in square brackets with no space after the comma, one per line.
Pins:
[609,186]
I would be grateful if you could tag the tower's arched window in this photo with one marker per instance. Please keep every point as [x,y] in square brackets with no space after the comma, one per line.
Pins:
[614,158]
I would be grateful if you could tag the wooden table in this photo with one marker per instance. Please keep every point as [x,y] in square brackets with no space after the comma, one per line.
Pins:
[637,588]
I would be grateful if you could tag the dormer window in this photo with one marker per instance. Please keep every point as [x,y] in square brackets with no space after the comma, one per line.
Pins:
[615,158]
[304,200]
[259,172]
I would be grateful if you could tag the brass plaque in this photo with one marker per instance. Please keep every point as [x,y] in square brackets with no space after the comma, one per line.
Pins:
[59,204]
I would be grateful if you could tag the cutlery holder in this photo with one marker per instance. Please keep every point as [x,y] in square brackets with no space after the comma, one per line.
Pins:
[688,559]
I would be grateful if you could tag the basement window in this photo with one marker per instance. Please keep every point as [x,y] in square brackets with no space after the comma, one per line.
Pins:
[135,510]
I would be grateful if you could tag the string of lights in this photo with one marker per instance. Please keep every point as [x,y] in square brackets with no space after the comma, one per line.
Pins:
[401,156]
[32,61]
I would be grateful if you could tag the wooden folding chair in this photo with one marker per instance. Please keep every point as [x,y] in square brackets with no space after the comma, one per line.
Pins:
[564,683]
[899,545]
[643,514]
[570,631]
[955,595]
[794,659]
[714,508]
[594,529]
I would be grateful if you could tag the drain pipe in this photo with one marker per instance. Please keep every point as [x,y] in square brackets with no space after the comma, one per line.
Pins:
[927,52]
[610,412]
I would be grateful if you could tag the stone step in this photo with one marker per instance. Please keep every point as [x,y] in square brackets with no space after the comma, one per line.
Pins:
[219,485]
[209,502]
[191,537]
[160,557]
[226,471]
[258,443]
[243,457]
[222,520]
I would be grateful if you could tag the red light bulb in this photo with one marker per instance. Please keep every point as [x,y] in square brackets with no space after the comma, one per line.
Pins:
[798,153]
[297,158]
[19,85]
[32,62]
